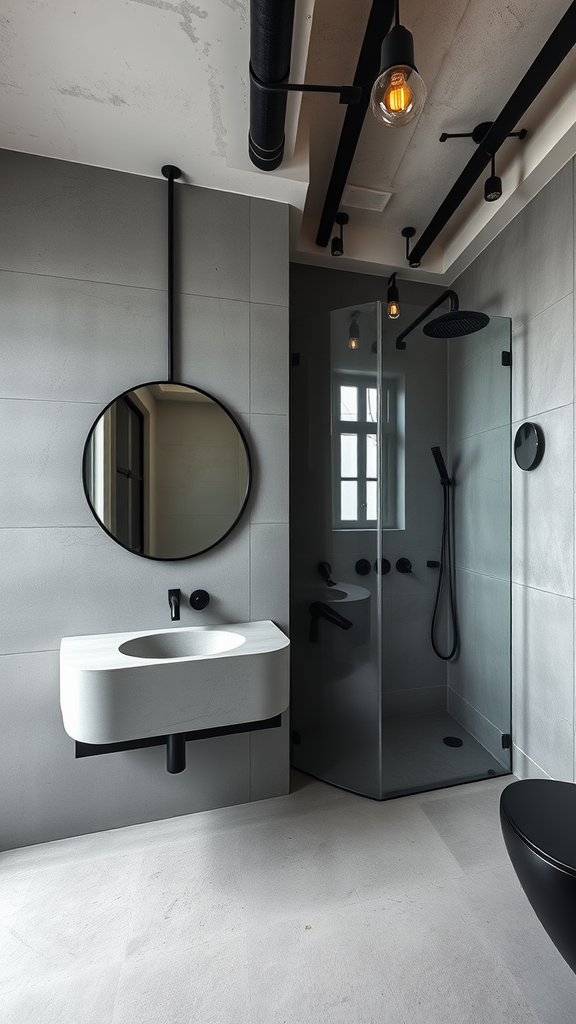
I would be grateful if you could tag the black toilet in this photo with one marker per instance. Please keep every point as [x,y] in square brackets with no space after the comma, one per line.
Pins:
[538,819]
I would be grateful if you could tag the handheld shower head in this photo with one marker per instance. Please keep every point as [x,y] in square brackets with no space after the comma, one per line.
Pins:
[441,466]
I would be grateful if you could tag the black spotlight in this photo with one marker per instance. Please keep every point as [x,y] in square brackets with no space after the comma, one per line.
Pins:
[338,240]
[493,185]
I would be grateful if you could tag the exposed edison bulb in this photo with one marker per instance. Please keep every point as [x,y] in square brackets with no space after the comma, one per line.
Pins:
[393,310]
[397,96]
[353,342]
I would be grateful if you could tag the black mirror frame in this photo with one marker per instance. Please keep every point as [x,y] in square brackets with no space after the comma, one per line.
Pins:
[177,558]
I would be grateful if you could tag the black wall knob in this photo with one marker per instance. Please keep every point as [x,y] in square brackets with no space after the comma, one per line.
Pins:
[404,565]
[363,567]
[199,599]
[384,566]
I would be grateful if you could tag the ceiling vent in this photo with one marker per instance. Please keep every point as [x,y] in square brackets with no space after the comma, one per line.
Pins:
[365,199]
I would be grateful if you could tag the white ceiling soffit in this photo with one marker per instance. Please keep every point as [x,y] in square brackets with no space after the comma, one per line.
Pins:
[135,84]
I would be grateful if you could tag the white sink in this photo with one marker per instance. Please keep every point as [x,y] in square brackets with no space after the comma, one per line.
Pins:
[181,643]
[126,686]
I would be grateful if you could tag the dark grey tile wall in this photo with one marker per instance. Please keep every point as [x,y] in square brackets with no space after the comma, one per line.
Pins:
[83,286]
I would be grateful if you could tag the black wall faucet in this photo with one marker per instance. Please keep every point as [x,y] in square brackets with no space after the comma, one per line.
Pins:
[325,570]
[174,602]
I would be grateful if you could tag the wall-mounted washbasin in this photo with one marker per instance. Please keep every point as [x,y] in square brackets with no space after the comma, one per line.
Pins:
[181,643]
[127,686]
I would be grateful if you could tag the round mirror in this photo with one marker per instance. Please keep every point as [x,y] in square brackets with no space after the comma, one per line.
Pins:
[529,446]
[166,470]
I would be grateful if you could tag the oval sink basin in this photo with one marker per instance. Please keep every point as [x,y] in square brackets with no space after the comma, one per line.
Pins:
[181,644]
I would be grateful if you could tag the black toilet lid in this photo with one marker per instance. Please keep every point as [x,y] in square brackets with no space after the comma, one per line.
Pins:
[544,813]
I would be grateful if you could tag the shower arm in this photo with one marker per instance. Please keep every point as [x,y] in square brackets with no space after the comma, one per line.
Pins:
[448,294]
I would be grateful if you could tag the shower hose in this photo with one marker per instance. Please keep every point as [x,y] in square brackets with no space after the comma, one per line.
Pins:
[445,574]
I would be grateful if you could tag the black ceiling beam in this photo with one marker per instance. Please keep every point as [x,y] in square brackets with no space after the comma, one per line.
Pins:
[367,70]
[551,55]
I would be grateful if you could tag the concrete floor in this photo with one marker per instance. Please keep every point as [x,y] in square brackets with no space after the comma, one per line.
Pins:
[321,907]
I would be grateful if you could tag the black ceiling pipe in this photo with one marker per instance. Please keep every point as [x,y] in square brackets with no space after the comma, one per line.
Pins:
[551,55]
[367,71]
[271,28]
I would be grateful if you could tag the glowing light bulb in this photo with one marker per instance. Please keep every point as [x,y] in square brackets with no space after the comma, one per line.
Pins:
[353,343]
[397,96]
[393,310]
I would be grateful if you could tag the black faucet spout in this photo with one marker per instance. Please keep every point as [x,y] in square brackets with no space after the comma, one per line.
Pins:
[174,602]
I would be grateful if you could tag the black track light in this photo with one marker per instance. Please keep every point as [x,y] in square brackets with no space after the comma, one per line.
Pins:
[337,248]
[398,94]
[493,185]
[392,299]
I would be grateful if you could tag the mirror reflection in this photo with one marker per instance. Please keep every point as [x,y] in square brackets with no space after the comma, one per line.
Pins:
[166,470]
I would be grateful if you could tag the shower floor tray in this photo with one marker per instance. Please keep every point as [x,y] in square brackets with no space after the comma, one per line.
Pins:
[416,759]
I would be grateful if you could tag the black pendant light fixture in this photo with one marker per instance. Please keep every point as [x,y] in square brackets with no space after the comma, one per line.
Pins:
[337,248]
[392,298]
[354,331]
[398,94]
[493,184]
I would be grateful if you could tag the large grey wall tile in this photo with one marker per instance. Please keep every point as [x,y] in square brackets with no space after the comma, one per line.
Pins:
[269,573]
[79,341]
[543,360]
[58,796]
[212,242]
[542,510]
[82,222]
[481,673]
[530,265]
[480,468]
[268,252]
[65,582]
[270,761]
[41,446]
[426,398]
[543,679]
[479,395]
[268,359]
[213,350]
[269,448]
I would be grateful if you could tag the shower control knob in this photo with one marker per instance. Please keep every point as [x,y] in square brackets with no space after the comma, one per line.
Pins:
[384,566]
[199,599]
[404,565]
[362,567]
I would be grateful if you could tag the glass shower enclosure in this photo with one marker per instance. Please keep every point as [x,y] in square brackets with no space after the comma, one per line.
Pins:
[400,570]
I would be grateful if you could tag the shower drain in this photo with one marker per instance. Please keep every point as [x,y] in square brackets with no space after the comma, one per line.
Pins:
[453,741]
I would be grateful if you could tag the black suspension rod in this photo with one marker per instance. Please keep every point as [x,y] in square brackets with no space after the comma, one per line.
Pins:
[171,172]
[367,69]
[551,55]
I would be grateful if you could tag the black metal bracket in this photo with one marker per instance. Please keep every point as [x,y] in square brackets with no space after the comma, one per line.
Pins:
[479,133]
[348,93]
[409,233]
[91,749]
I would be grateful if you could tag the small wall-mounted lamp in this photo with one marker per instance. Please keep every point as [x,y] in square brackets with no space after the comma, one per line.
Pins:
[392,299]
[398,94]
[354,332]
[337,247]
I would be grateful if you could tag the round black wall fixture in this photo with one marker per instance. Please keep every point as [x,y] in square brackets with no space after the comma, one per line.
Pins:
[529,446]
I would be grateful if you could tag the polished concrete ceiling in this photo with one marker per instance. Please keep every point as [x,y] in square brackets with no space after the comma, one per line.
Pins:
[135,84]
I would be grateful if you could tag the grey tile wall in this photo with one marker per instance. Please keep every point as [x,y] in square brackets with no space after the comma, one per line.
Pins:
[83,284]
[527,273]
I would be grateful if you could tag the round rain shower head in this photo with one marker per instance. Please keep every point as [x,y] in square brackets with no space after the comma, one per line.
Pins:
[456,324]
